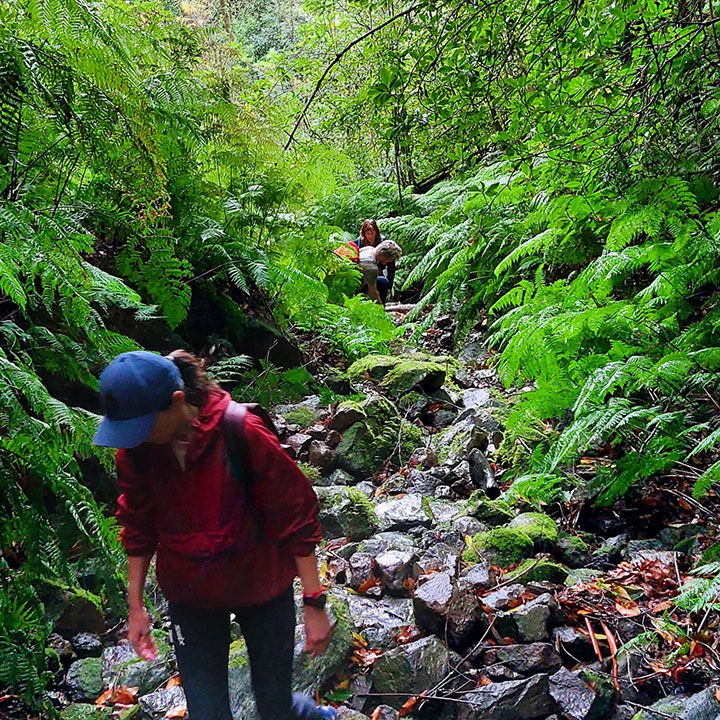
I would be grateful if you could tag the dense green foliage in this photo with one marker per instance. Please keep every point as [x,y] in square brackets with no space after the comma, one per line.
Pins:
[547,166]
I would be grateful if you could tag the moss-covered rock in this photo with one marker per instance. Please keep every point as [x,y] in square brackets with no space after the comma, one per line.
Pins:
[122,666]
[455,443]
[84,679]
[311,672]
[302,416]
[573,550]
[374,366]
[368,443]
[410,374]
[540,528]
[311,472]
[242,700]
[493,512]
[85,711]
[710,554]
[539,571]
[411,438]
[501,546]
[346,511]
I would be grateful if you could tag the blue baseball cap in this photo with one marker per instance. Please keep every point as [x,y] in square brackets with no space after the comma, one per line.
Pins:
[134,387]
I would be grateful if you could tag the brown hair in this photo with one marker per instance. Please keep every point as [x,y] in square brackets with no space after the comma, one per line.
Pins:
[366,226]
[197,383]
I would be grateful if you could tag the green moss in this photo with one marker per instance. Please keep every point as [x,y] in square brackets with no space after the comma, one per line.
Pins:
[409,374]
[504,546]
[710,554]
[368,443]
[85,711]
[302,416]
[540,528]
[376,366]
[411,438]
[539,571]
[311,472]
[495,512]
[350,508]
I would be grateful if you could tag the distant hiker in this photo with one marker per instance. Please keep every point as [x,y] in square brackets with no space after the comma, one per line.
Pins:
[205,484]
[387,252]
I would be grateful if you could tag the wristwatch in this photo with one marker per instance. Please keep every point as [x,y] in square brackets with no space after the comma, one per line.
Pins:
[317,601]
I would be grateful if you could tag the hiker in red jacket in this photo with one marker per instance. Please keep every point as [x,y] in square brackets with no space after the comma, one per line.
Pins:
[232,521]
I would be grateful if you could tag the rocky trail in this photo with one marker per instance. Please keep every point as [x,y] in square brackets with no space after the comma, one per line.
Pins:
[453,599]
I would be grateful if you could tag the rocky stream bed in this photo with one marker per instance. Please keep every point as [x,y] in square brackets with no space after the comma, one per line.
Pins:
[451,599]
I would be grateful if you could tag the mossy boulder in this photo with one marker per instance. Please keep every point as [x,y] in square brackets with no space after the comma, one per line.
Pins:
[411,438]
[455,443]
[572,550]
[84,679]
[346,511]
[492,512]
[374,366]
[242,700]
[122,666]
[85,711]
[369,442]
[539,571]
[312,672]
[302,416]
[409,374]
[540,528]
[501,546]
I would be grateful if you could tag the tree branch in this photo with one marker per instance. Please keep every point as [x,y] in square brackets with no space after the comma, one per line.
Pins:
[339,57]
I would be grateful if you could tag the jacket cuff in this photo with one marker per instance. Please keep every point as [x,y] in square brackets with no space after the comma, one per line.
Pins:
[301,548]
[149,550]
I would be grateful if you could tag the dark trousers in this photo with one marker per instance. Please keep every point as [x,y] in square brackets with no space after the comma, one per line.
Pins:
[383,286]
[202,638]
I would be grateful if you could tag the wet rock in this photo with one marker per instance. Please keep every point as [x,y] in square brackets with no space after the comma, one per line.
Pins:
[526,659]
[347,414]
[492,512]
[504,598]
[444,417]
[424,456]
[511,700]
[62,647]
[333,438]
[700,706]
[575,698]
[482,475]
[366,488]
[473,352]
[480,576]
[387,541]
[477,398]
[346,713]
[122,666]
[360,569]
[84,679]
[242,701]
[87,645]
[345,511]
[422,483]
[573,644]
[410,669]
[454,444]
[437,558]
[447,611]
[300,442]
[402,513]
[320,455]
[531,622]
[385,712]
[72,614]
[160,701]
[311,404]
[467,525]
[380,620]
[573,551]
[669,558]
[394,567]
[610,552]
[340,477]
[443,492]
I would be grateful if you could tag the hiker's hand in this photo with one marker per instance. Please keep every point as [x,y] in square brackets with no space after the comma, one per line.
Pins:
[139,634]
[318,630]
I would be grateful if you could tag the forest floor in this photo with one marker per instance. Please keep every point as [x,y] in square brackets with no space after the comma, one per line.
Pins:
[452,597]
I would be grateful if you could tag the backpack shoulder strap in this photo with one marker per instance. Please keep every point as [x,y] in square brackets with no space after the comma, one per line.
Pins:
[233,430]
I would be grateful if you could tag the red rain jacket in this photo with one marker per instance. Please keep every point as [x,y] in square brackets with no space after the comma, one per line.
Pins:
[219,542]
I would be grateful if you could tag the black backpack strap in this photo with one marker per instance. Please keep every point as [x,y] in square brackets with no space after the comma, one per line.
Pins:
[233,430]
